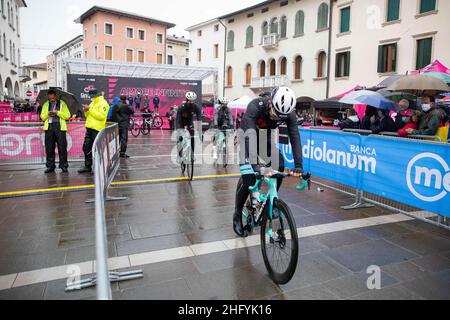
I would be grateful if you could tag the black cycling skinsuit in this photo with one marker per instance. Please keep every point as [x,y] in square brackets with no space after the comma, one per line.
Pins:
[256,118]
[185,115]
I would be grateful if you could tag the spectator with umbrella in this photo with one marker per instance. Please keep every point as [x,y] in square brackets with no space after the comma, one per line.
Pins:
[381,122]
[432,118]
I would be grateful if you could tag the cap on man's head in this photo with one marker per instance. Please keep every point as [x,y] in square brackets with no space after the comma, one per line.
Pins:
[51,92]
[94,93]
[404,103]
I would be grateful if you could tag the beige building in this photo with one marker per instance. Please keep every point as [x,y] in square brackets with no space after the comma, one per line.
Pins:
[34,79]
[374,39]
[177,50]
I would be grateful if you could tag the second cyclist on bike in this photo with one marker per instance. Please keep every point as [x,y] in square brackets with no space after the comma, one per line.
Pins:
[223,121]
[189,113]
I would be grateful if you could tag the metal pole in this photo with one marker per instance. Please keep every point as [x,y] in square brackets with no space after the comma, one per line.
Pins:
[103,284]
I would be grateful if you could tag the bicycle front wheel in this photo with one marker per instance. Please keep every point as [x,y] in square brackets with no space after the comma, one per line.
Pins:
[146,128]
[279,243]
[190,164]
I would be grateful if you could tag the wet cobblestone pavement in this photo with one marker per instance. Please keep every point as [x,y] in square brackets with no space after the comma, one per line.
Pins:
[52,231]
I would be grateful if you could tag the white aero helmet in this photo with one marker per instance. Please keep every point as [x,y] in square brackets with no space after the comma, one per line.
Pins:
[284,100]
[222,100]
[191,96]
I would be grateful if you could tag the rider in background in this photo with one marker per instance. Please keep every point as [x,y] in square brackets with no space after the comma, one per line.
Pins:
[267,112]
[223,120]
[187,113]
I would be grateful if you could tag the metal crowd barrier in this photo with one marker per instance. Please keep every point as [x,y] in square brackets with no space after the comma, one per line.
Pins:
[365,199]
[24,143]
[106,154]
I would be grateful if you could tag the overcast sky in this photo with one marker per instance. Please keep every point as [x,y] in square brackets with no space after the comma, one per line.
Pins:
[48,24]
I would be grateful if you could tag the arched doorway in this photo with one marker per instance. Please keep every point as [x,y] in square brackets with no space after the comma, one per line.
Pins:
[273,67]
[262,69]
[16,90]
[9,88]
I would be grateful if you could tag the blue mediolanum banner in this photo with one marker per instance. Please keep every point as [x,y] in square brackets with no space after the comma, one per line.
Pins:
[412,172]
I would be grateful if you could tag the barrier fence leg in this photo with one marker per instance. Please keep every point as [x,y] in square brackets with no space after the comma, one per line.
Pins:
[359,202]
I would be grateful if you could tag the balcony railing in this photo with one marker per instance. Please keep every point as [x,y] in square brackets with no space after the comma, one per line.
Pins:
[269,82]
[270,41]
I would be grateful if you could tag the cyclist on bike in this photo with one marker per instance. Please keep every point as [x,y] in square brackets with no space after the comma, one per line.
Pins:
[223,120]
[267,112]
[185,117]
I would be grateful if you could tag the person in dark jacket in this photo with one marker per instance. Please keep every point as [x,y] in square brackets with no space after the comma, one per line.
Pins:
[366,123]
[403,116]
[432,118]
[352,121]
[156,102]
[384,124]
[121,114]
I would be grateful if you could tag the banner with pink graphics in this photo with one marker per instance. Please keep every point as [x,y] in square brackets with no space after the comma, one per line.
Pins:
[170,92]
[28,143]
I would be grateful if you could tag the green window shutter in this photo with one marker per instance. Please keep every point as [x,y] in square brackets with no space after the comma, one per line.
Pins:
[395,57]
[427,5]
[380,59]
[322,17]
[337,65]
[347,66]
[424,52]
[345,20]
[393,10]
[299,23]
[249,38]
[283,26]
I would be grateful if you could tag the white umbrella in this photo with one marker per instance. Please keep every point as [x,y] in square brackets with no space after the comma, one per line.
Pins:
[351,97]
[240,104]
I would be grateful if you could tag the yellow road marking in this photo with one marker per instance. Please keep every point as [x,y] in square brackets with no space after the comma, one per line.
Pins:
[118,183]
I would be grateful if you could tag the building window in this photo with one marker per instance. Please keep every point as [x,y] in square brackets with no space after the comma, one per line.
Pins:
[109,29]
[186,62]
[159,58]
[108,53]
[393,10]
[283,27]
[34,75]
[427,6]
[141,56]
[130,33]
[199,55]
[424,50]
[322,17]
[262,69]
[129,55]
[159,38]
[387,58]
[169,59]
[345,20]
[343,64]
[216,28]
[298,68]
[199,33]
[299,23]
[95,29]
[249,37]
[321,64]
[216,51]
[265,28]
[274,25]
[230,76]
[141,35]
[96,52]
[248,74]
[283,66]
[230,41]
[273,68]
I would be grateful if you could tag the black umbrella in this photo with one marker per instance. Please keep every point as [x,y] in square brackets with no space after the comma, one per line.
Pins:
[72,102]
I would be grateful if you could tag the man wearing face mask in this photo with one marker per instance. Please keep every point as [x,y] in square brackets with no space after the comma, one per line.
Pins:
[431,120]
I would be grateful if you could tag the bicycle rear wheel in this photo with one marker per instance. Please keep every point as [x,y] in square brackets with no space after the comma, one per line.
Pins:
[225,155]
[135,130]
[190,164]
[279,243]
